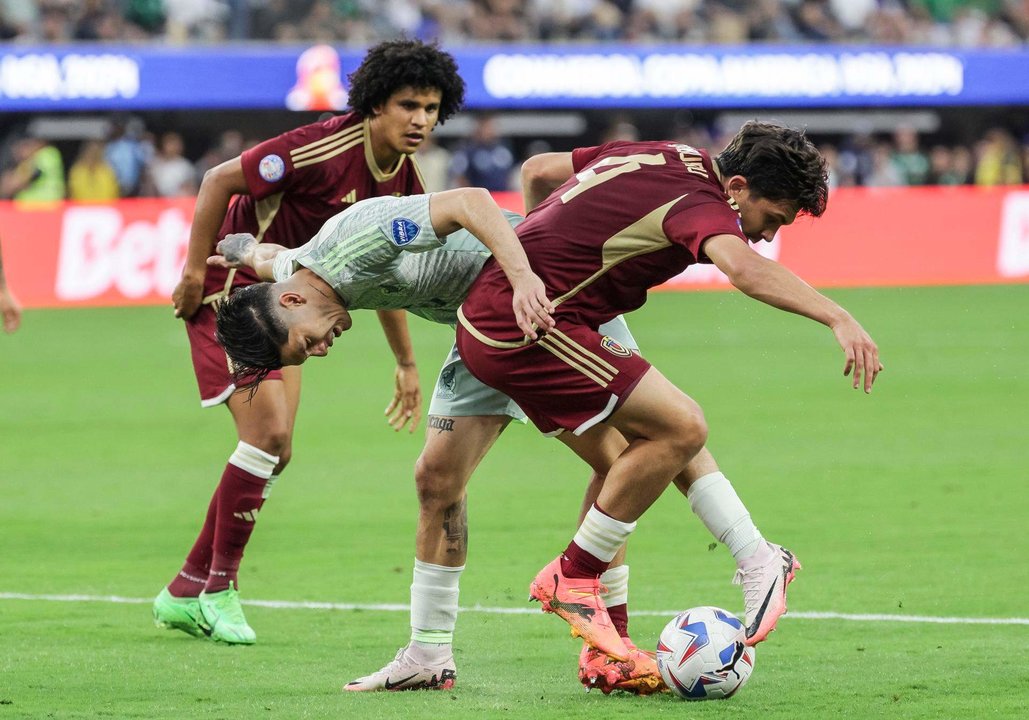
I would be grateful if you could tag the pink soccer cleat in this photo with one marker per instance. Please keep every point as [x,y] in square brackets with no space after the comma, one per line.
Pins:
[638,675]
[764,577]
[577,602]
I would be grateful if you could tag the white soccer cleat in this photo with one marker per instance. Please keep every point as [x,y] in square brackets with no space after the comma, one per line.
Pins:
[406,673]
[764,577]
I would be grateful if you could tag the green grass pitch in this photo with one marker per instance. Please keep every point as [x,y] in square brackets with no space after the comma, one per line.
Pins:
[909,502]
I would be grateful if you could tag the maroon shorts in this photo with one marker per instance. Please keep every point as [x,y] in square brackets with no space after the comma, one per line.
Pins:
[570,379]
[210,363]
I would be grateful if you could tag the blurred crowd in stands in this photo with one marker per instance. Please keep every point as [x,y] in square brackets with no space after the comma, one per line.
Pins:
[134,162]
[961,23]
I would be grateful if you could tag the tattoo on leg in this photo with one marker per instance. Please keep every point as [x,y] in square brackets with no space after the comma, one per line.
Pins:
[455,525]
[443,424]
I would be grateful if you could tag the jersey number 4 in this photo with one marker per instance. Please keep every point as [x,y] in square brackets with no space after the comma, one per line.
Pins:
[625,164]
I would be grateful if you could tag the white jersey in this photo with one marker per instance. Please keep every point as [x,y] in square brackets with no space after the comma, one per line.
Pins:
[375,255]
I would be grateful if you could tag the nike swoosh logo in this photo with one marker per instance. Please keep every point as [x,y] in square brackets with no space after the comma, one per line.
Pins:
[393,685]
[760,613]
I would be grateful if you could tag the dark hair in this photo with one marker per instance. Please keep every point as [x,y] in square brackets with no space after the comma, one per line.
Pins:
[779,163]
[396,64]
[251,334]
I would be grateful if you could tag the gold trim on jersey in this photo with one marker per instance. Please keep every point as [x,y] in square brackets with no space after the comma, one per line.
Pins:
[330,153]
[418,173]
[578,357]
[264,211]
[369,158]
[641,238]
[485,339]
[328,147]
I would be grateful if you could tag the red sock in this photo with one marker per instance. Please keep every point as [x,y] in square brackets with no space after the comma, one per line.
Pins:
[620,618]
[239,500]
[577,563]
[193,576]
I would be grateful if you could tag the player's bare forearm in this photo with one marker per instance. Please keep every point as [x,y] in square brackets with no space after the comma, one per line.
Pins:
[542,174]
[216,190]
[475,210]
[405,408]
[219,185]
[775,285]
[243,250]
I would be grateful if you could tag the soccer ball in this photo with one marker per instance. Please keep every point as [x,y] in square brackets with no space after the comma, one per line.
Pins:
[701,654]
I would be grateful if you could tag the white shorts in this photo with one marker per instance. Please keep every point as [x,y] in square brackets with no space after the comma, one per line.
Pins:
[459,394]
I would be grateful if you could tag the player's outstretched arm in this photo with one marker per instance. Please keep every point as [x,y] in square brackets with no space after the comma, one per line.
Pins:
[773,284]
[543,174]
[220,183]
[242,250]
[406,406]
[474,210]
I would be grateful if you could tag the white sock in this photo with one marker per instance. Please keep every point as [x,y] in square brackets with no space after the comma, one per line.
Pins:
[716,503]
[268,487]
[616,580]
[254,460]
[434,594]
[601,535]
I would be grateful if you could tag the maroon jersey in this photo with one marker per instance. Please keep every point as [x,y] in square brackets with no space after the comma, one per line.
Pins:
[633,216]
[300,179]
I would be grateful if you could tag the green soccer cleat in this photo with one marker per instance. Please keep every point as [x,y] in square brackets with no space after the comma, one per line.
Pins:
[174,613]
[221,616]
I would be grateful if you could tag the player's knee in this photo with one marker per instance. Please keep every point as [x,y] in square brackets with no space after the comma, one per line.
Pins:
[275,440]
[690,431]
[437,483]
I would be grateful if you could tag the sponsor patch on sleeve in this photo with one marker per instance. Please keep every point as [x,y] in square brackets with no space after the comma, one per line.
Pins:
[403,231]
[271,168]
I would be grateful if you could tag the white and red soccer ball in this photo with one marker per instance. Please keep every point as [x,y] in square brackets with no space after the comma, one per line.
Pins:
[701,654]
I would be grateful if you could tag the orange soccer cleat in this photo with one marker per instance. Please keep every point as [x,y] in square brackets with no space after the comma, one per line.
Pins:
[638,675]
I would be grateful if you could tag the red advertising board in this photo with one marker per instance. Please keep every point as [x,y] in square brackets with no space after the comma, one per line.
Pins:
[131,252]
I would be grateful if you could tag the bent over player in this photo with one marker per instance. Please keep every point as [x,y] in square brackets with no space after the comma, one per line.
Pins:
[364,258]
[630,216]
[285,189]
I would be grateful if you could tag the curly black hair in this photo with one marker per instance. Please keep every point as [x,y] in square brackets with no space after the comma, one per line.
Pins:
[779,163]
[396,64]
[252,334]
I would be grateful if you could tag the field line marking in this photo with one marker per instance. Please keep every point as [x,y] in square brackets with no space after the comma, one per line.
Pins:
[400,607]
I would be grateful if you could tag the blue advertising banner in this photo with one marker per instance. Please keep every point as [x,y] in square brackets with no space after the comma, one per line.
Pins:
[109,77]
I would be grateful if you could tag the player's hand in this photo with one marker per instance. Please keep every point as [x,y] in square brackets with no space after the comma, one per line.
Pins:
[532,309]
[861,351]
[187,296]
[406,406]
[234,251]
[10,310]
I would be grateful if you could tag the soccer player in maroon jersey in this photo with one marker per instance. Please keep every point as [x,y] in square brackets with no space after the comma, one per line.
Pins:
[282,191]
[630,216]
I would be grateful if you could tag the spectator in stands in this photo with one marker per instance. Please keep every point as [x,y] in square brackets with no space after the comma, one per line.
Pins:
[230,144]
[999,161]
[55,24]
[963,165]
[910,161]
[91,178]
[169,173]
[98,21]
[883,172]
[128,153]
[191,20]
[38,174]
[485,160]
